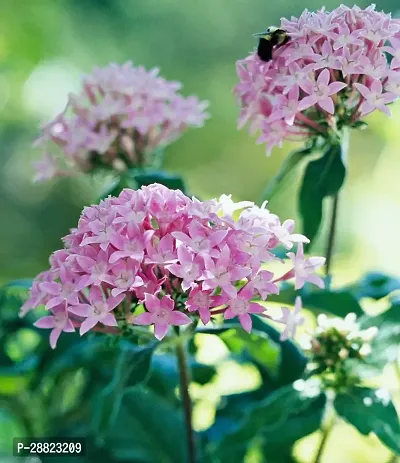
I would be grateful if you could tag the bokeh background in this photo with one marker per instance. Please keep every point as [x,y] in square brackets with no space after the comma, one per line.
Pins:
[46,45]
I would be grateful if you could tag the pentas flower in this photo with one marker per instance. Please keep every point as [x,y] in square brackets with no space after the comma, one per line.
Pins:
[156,257]
[333,71]
[119,119]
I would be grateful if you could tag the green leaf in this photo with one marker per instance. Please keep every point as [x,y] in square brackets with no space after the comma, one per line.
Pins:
[369,411]
[375,285]
[337,302]
[149,430]
[323,177]
[23,284]
[292,361]
[283,417]
[172,181]
[132,368]
[385,344]
[164,375]
[290,163]
[359,125]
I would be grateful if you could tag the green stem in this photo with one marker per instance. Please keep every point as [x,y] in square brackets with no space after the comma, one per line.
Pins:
[184,379]
[335,206]
[324,439]
[331,236]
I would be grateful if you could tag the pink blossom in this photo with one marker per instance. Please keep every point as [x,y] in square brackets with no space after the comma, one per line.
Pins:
[221,273]
[97,310]
[316,74]
[58,322]
[189,269]
[304,268]
[374,98]
[125,277]
[263,285]
[161,313]
[292,319]
[163,252]
[200,240]
[240,306]
[177,255]
[320,93]
[201,301]
[119,118]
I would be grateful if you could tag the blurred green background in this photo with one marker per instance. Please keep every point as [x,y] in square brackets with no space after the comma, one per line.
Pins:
[45,46]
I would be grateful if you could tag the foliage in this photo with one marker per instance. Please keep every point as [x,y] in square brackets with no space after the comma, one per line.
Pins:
[120,393]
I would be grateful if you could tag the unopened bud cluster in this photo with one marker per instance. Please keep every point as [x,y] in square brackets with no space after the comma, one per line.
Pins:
[334,346]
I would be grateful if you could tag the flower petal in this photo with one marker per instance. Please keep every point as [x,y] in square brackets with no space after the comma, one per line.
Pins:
[179,318]
[160,330]
[245,321]
[335,87]
[54,335]
[88,324]
[151,302]
[109,320]
[45,322]
[327,105]
[80,309]
[145,318]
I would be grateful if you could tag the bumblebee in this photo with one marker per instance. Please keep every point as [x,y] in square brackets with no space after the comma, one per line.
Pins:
[272,37]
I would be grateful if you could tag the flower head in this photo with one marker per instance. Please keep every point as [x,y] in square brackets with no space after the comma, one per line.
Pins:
[122,115]
[335,347]
[333,64]
[156,250]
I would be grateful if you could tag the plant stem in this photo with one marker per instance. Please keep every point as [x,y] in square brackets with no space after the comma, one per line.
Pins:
[325,434]
[184,380]
[335,206]
[331,236]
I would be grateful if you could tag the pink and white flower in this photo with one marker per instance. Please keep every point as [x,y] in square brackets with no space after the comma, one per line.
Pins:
[121,116]
[161,314]
[174,256]
[333,64]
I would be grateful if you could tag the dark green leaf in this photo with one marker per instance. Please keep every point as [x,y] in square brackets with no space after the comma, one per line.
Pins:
[292,361]
[337,302]
[23,284]
[375,285]
[149,430]
[282,418]
[289,164]
[323,177]
[384,346]
[132,368]
[164,375]
[369,411]
[172,181]
[18,368]
[359,125]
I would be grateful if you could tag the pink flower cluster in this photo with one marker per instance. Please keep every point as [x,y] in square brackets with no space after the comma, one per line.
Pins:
[122,115]
[331,72]
[180,258]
